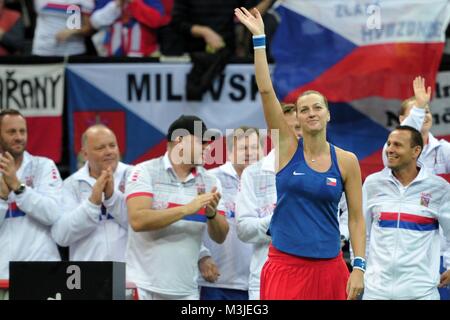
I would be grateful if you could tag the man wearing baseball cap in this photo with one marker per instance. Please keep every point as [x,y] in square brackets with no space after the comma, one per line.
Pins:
[187,126]
[170,201]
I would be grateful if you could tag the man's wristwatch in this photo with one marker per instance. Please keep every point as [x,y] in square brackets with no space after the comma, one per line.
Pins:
[212,216]
[20,189]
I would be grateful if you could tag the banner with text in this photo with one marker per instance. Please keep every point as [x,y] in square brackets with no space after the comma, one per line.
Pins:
[37,91]
[363,56]
[140,100]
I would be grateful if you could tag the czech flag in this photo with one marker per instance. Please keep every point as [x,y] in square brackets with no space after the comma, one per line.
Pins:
[363,56]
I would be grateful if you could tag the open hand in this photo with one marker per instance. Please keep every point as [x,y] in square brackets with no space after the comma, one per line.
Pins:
[355,284]
[421,95]
[213,39]
[251,19]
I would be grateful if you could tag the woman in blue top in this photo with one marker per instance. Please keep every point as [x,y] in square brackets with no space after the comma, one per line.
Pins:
[305,261]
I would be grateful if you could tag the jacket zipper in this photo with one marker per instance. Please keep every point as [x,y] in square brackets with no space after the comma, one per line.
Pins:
[397,231]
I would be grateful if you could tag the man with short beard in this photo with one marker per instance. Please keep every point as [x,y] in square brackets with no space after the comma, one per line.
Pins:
[29,197]
[94,219]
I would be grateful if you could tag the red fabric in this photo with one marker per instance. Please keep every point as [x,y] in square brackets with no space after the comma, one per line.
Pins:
[149,20]
[8,18]
[45,137]
[149,16]
[372,65]
[446,176]
[115,120]
[287,277]
[4,283]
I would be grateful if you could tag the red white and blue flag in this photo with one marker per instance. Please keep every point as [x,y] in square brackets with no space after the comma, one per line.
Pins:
[363,57]
[331,182]
[139,101]
[37,91]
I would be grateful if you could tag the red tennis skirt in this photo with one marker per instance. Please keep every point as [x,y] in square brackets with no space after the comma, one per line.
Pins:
[288,277]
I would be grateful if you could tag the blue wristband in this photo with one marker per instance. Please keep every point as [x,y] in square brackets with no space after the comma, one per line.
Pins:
[259,42]
[359,263]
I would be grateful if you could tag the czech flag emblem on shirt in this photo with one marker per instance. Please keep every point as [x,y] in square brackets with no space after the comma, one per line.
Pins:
[331,182]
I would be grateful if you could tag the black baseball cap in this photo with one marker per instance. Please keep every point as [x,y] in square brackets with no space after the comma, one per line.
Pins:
[187,125]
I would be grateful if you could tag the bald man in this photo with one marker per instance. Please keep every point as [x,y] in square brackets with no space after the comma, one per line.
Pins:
[94,219]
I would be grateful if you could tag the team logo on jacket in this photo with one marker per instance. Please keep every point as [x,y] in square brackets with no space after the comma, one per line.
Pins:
[331,182]
[230,214]
[54,174]
[230,209]
[135,175]
[425,199]
[29,181]
[201,188]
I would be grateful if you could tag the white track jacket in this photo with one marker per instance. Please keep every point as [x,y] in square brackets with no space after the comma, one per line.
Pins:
[403,235]
[93,232]
[26,219]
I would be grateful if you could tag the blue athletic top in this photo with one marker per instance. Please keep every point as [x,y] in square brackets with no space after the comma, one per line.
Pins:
[305,220]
